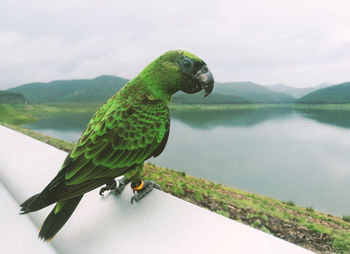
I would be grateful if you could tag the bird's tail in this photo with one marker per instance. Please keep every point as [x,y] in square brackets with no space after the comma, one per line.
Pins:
[47,197]
[58,217]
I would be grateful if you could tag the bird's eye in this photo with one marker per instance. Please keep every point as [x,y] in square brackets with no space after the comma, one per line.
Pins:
[186,64]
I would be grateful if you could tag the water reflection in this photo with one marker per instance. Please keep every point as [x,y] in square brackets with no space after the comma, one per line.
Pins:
[238,117]
[340,118]
[62,121]
[66,126]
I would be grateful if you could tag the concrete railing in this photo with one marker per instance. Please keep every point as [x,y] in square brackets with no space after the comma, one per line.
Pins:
[160,223]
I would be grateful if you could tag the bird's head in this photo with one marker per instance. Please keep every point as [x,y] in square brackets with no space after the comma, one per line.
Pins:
[178,70]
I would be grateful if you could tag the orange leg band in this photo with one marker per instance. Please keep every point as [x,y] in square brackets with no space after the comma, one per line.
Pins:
[137,188]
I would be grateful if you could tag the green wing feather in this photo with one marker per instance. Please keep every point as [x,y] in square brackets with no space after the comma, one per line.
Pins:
[127,130]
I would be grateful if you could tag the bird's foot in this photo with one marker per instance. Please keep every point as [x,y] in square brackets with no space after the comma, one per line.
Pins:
[143,190]
[109,186]
[121,185]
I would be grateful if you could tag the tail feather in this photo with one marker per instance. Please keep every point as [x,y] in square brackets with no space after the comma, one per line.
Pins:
[57,190]
[35,203]
[26,204]
[45,198]
[58,217]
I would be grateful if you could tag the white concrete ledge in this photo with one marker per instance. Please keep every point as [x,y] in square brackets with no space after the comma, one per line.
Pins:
[17,233]
[160,223]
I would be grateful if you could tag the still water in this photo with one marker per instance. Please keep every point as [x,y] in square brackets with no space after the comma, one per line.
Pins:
[297,155]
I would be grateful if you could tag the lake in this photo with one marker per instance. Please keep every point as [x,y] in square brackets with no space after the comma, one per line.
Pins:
[292,155]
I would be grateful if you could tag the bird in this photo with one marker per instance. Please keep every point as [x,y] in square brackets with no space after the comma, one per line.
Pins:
[131,127]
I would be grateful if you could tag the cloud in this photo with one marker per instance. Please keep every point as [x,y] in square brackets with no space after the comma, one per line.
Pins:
[298,43]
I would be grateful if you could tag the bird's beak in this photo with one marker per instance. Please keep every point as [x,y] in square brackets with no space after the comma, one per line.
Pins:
[206,79]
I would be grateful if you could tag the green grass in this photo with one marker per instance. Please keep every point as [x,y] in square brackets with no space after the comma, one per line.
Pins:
[258,106]
[227,106]
[9,114]
[25,113]
[339,106]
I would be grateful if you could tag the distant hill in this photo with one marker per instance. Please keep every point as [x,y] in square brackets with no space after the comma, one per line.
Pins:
[334,94]
[295,91]
[84,90]
[234,93]
[101,88]
[252,92]
[214,98]
[11,97]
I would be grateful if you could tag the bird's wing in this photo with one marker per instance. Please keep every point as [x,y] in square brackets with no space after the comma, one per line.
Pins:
[116,138]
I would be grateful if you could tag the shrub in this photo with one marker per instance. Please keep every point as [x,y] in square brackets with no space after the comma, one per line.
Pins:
[290,203]
[310,209]
[346,218]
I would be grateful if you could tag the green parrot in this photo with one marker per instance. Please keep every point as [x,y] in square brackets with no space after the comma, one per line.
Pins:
[129,128]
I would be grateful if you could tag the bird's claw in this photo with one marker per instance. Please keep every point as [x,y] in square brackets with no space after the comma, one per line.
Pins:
[109,186]
[121,187]
[116,185]
[148,186]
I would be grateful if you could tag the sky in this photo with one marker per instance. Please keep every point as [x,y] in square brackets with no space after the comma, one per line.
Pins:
[298,43]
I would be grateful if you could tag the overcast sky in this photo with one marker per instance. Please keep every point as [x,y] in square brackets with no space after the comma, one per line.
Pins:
[298,43]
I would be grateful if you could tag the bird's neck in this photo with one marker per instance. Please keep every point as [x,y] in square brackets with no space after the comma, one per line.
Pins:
[156,88]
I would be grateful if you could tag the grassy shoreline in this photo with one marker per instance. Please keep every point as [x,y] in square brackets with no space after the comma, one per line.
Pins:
[259,106]
[322,233]
[175,106]
[25,113]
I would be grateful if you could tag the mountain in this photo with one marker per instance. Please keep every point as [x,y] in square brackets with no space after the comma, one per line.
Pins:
[334,94]
[252,92]
[214,98]
[10,97]
[101,88]
[294,91]
[84,90]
